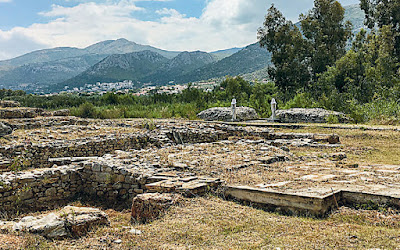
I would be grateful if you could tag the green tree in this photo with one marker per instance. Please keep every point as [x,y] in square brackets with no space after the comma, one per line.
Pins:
[384,13]
[236,87]
[285,41]
[366,72]
[326,33]
[261,97]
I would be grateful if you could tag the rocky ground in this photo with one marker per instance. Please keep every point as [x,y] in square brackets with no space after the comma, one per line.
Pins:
[304,161]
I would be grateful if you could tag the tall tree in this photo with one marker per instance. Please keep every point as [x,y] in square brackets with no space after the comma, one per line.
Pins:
[299,57]
[384,13]
[366,72]
[327,33]
[285,41]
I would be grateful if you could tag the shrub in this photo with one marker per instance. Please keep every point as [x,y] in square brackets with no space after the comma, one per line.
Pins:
[85,110]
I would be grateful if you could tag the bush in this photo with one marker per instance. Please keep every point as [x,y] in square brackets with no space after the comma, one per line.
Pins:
[300,100]
[85,110]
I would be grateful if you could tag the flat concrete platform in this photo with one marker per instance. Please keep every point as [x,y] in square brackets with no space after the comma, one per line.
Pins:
[305,203]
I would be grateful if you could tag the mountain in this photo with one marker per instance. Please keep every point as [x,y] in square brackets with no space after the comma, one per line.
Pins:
[109,47]
[40,56]
[119,67]
[123,46]
[152,68]
[182,64]
[37,70]
[355,15]
[145,66]
[247,60]
[221,54]
[37,76]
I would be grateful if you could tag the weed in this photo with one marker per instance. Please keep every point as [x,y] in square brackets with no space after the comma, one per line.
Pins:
[332,119]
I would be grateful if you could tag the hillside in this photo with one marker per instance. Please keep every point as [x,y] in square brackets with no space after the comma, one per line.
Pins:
[37,76]
[37,70]
[221,54]
[140,67]
[247,60]
[132,66]
[182,64]
[40,56]
[123,46]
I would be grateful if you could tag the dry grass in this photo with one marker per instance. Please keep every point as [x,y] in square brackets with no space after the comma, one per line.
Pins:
[361,146]
[212,223]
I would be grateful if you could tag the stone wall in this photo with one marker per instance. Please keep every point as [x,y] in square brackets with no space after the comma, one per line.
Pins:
[43,122]
[45,188]
[37,155]
[39,189]
[114,183]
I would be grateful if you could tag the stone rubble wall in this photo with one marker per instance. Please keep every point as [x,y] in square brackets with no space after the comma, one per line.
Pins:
[7,111]
[225,114]
[18,113]
[43,122]
[104,179]
[37,155]
[39,189]
[113,183]
[45,188]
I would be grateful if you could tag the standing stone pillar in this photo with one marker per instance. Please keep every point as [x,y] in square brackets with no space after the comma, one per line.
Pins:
[273,109]
[233,106]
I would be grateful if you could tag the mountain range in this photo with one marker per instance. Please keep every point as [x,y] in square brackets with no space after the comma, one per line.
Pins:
[50,70]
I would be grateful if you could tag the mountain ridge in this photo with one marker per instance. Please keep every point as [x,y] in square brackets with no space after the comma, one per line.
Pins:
[139,67]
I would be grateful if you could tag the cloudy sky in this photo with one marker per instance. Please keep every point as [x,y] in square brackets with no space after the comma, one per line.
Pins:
[207,25]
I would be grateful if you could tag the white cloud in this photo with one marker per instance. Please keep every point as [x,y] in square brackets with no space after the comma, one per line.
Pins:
[223,24]
[17,42]
[6,1]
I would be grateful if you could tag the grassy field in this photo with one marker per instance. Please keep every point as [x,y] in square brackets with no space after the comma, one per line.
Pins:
[361,146]
[212,223]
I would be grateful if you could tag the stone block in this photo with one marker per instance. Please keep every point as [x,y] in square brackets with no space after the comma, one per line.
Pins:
[147,207]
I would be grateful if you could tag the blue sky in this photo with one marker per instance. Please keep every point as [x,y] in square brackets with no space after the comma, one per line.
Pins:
[207,25]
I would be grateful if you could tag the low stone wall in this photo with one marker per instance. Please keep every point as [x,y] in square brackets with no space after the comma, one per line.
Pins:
[37,155]
[43,122]
[17,113]
[225,114]
[39,189]
[46,188]
[114,183]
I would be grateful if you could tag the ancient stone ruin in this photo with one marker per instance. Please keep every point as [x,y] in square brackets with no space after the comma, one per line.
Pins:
[314,115]
[49,162]
[225,114]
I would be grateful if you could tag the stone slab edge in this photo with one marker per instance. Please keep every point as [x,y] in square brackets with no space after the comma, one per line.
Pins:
[318,206]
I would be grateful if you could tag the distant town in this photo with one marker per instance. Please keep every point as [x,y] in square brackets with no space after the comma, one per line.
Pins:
[130,87]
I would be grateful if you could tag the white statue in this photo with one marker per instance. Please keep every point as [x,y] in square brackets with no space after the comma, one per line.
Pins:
[233,106]
[273,109]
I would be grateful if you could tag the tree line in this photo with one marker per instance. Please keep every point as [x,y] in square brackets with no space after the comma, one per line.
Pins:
[323,63]
[183,105]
